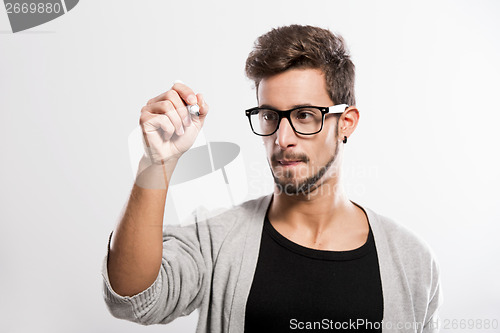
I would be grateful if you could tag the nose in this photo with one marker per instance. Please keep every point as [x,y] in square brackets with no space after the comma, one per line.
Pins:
[285,135]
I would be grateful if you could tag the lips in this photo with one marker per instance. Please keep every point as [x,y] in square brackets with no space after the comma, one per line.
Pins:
[289,162]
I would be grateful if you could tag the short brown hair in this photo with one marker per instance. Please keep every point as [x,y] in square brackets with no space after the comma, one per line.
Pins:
[298,46]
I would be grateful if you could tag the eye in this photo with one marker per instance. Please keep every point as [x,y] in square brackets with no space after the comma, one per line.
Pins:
[269,115]
[305,114]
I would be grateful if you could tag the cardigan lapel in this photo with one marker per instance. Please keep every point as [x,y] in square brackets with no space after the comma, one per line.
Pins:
[248,264]
[395,288]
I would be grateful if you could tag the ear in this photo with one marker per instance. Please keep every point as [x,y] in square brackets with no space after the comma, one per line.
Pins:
[348,122]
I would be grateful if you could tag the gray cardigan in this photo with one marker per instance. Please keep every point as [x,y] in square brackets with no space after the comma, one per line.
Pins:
[209,265]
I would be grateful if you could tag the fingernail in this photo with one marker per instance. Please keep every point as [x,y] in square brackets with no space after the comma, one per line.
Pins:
[192,99]
[187,121]
[181,130]
[178,81]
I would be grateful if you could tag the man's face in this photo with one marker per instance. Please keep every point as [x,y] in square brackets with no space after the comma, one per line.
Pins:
[299,163]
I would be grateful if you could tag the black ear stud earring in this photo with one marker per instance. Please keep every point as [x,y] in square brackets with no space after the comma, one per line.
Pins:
[345,139]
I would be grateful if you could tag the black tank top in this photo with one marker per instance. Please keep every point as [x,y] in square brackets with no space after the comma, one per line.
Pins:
[296,288]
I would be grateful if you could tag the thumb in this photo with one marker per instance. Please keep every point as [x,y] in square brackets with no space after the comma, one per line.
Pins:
[203,106]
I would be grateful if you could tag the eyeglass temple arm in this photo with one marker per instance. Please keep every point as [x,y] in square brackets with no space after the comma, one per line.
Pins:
[339,108]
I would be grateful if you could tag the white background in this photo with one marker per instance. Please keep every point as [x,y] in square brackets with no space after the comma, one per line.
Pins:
[425,152]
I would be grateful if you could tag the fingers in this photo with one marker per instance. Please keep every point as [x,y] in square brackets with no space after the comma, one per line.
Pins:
[179,105]
[180,95]
[155,114]
[172,104]
[152,122]
[203,105]
[185,93]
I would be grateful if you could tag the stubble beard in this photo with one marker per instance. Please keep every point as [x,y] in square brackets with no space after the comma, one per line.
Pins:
[289,186]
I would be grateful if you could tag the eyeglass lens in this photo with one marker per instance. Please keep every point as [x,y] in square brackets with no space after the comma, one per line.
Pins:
[304,120]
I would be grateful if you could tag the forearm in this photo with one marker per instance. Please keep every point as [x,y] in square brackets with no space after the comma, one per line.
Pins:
[135,253]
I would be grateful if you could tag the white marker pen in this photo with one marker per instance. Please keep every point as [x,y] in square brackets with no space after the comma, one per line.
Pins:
[194,109]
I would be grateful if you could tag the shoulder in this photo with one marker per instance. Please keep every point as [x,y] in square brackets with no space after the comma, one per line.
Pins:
[208,230]
[406,257]
[404,244]
[217,224]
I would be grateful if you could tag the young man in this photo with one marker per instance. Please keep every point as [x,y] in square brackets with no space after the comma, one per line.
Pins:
[304,257]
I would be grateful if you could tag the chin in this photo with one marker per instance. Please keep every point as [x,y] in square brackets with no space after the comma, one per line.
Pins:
[290,186]
[289,182]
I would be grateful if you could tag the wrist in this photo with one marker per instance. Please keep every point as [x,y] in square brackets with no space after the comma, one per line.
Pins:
[152,175]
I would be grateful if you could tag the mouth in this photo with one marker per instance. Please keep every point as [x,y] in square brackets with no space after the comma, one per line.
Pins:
[287,163]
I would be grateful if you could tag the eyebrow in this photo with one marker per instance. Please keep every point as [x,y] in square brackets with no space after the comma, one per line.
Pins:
[267,106]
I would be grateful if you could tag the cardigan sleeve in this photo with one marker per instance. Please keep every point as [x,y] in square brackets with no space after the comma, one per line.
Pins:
[177,291]
[432,323]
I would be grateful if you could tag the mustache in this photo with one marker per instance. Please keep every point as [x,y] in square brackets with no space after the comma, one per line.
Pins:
[294,157]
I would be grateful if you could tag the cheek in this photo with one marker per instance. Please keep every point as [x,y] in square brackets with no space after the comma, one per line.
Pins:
[323,148]
[268,142]
[330,138]
[332,128]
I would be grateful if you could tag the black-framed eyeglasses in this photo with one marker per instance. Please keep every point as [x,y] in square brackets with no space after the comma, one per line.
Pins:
[306,120]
